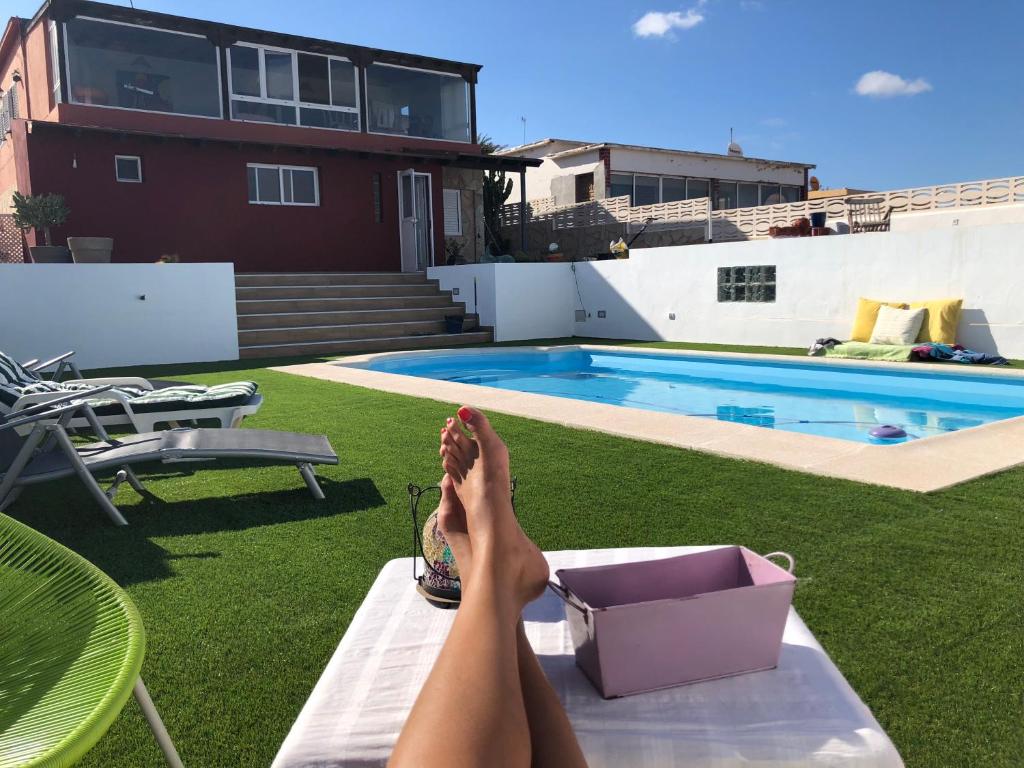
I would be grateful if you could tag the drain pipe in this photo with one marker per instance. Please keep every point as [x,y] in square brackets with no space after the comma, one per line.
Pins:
[24,64]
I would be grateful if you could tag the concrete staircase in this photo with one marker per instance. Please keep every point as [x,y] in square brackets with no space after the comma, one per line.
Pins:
[330,313]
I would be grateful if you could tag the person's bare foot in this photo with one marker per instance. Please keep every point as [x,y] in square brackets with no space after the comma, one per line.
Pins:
[478,467]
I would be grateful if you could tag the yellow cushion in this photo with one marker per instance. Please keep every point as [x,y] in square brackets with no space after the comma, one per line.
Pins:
[867,314]
[941,319]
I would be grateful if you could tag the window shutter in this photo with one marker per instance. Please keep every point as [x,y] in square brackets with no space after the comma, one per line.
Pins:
[452,212]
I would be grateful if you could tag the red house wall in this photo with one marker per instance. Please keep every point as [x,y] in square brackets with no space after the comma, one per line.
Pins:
[193,202]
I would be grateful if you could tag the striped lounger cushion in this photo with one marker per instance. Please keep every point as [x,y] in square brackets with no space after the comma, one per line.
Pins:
[16,381]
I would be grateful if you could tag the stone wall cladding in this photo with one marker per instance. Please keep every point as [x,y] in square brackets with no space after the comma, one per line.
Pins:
[471,185]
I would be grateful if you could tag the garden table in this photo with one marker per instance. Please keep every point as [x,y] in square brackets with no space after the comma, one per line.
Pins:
[803,713]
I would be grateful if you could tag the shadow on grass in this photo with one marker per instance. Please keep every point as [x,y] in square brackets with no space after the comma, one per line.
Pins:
[129,556]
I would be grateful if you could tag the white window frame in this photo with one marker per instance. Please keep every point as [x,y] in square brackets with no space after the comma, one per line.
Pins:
[457,193]
[366,86]
[296,103]
[138,164]
[280,182]
[55,69]
[67,71]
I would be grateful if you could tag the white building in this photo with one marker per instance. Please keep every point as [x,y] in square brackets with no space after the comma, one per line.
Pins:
[577,171]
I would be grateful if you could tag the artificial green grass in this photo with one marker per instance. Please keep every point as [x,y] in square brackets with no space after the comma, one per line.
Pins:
[246,584]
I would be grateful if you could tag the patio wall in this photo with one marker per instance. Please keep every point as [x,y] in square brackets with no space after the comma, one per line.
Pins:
[188,314]
[520,301]
[818,283]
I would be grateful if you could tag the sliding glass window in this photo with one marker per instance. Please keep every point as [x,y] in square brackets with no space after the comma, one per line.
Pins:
[121,65]
[770,194]
[747,195]
[697,188]
[790,194]
[414,102]
[621,184]
[726,197]
[672,189]
[270,85]
[648,190]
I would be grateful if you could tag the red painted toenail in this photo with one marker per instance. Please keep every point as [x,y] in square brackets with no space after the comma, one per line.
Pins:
[465,414]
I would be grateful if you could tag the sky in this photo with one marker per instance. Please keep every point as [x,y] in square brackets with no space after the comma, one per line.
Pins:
[879,94]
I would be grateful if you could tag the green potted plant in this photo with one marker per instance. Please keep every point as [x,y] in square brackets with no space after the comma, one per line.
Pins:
[41,212]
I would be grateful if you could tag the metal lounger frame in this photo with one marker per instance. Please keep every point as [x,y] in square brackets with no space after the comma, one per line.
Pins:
[49,423]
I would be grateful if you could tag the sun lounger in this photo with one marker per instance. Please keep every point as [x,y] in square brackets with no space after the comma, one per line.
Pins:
[60,363]
[133,403]
[803,714]
[35,448]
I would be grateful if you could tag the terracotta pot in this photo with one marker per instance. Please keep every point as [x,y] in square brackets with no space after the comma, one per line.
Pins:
[91,250]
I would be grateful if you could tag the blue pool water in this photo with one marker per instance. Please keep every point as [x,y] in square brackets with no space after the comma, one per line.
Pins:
[831,400]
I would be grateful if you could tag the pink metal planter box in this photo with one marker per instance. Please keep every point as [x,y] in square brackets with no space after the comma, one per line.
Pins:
[659,623]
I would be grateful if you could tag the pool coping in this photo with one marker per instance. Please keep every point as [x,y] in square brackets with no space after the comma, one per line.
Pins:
[940,462]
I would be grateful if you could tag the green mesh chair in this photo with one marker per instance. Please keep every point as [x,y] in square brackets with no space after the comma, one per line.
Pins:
[71,647]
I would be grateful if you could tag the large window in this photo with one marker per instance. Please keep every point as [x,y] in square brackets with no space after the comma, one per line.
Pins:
[672,189]
[283,185]
[770,194]
[621,184]
[648,190]
[121,65]
[747,195]
[413,102]
[726,197]
[697,188]
[790,194]
[270,85]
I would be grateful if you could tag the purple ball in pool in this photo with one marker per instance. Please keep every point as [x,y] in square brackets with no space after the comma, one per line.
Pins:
[888,432]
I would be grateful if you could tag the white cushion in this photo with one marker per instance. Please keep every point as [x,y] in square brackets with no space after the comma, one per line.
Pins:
[897,326]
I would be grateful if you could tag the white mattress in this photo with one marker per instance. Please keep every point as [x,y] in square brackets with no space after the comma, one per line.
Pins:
[803,713]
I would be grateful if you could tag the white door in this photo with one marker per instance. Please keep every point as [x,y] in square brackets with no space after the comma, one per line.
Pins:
[416,220]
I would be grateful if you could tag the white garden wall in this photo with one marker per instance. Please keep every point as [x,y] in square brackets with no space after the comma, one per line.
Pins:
[818,283]
[958,217]
[187,315]
[520,301]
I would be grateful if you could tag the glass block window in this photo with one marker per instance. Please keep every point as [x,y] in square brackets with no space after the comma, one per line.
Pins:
[746,283]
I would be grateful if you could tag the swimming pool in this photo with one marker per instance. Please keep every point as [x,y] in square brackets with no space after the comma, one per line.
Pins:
[837,401]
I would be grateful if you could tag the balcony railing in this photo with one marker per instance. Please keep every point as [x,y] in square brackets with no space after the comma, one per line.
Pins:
[754,223]
[610,210]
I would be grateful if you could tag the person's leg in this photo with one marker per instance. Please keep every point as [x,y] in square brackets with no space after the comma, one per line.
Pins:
[471,706]
[552,740]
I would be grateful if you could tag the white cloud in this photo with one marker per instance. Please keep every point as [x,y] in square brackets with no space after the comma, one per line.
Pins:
[880,84]
[660,23]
